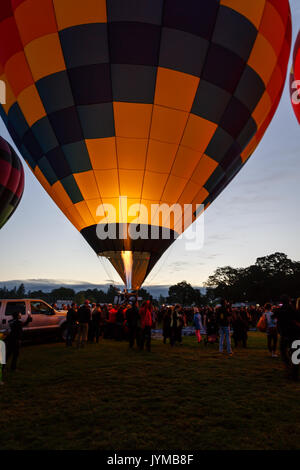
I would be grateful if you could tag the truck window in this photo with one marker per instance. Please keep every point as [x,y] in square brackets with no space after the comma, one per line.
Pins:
[15,307]
[39,308]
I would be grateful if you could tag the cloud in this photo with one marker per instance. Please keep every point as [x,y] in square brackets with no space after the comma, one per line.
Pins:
[286,174]
[212,239]
[210,256]
[178,265]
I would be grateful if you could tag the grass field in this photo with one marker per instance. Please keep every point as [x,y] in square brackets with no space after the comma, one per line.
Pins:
[107,397]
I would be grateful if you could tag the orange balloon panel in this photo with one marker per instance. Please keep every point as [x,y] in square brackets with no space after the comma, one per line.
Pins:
[161,102]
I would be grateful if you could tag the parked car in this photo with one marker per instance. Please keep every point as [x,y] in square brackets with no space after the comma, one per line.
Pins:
[45,319]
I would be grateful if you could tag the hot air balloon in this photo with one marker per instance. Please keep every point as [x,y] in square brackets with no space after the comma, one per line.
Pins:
[295,79]
[159,101]
[11,181]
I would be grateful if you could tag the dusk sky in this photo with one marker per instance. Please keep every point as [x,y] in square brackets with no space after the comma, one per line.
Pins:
[256,215]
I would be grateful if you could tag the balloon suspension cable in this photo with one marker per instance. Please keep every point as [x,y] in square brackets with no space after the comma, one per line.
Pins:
[161,264]
[107,268]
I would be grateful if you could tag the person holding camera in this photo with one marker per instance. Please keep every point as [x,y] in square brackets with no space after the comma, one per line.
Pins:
[13,340]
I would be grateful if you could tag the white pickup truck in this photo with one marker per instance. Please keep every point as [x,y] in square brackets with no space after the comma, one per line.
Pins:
[45,320]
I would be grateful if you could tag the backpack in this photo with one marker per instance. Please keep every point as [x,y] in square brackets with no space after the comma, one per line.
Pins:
[262,324]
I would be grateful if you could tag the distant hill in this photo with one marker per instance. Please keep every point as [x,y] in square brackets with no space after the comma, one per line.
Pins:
[47,285]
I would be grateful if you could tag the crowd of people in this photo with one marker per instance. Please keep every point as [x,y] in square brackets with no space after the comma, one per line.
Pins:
[220,324]
[129,321]
[89,322]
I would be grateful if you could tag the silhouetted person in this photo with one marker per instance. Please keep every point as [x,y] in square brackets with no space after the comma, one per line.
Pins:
[146,324]
[111,323]
[288,324]
[271,330]
[13,341]
[96,322]
[198,324]
[167,324]
[119,323]
[84,318]
[72,317]
[223,322]
[132,318]
[240,329]
[180,324]
[176,325]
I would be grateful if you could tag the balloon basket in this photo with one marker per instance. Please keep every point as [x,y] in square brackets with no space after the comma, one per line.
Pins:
[126,296]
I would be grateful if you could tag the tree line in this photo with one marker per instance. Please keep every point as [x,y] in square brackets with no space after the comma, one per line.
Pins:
[68,294]
[266,280]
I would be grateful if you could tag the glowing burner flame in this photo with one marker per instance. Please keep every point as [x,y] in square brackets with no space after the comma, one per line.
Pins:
[128,261]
